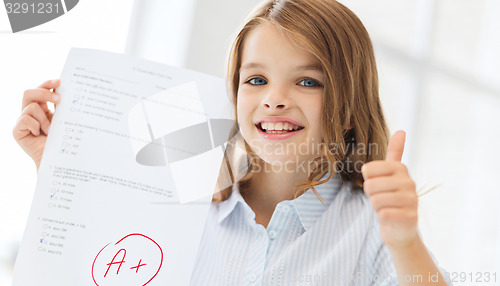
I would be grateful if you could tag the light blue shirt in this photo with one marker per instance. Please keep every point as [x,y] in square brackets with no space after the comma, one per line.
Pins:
[303,244]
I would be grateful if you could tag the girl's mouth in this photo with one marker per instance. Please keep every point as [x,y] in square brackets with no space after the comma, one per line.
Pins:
[277,130]
[278,127]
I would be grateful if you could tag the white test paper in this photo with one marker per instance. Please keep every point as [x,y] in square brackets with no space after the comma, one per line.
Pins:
[112,206]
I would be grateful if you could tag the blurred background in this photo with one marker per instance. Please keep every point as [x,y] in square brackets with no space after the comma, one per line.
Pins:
[439,69]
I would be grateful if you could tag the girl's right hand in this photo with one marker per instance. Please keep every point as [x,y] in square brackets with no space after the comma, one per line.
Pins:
[35,118]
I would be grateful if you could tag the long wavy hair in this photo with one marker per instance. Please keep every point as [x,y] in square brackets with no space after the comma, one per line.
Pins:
[353,124]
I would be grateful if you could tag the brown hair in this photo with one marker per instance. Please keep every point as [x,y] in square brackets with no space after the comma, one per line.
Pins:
[353,124]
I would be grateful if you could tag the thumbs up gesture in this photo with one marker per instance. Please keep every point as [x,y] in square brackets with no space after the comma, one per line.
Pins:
[393,195]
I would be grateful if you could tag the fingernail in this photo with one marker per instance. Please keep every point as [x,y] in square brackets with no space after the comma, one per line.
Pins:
[54,81]
[56,97]
[363,168]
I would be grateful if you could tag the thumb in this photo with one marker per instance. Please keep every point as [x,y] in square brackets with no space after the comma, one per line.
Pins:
[396,146]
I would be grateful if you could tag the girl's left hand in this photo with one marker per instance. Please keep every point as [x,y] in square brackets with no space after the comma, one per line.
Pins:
[393,195]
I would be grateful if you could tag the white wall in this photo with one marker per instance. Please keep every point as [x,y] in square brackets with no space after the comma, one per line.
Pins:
[215,24]
[193,34]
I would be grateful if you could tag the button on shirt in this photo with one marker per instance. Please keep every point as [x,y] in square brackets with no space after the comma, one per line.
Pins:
[303,244]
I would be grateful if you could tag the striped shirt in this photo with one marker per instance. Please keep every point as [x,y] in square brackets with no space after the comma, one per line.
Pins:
[303,244]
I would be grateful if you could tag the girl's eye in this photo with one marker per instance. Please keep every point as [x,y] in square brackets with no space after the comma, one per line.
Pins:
[257,81]
[309,82]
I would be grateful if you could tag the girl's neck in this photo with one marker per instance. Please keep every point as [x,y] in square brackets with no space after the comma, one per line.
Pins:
[267,188]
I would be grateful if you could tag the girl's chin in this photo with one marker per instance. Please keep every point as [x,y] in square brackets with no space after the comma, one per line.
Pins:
[282,162]
[278,160]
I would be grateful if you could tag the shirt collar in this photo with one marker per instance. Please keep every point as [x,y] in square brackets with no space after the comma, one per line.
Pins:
[309,207]
[226,207]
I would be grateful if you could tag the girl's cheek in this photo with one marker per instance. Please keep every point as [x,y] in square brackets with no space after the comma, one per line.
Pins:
[242,109]
[239,111]
[242,115]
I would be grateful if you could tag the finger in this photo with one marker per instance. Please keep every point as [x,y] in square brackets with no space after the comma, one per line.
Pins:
[49,84]
[50,114]
[383,184]
[381,168]
[56,83]
[397,215]
[35,110]
[39,95]
[47,111]
[42,93]
[44,107]
[26,125]
[391,200]
[396,146]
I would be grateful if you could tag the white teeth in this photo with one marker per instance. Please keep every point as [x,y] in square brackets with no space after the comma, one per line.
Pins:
[276,132]
[278,127]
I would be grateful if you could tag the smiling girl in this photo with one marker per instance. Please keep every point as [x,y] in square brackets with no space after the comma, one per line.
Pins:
[303,79]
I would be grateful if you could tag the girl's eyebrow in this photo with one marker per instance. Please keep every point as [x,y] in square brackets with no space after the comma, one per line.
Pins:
[251,66]
[314,67]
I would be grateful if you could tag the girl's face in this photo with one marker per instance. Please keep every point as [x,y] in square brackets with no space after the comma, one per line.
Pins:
[279,98]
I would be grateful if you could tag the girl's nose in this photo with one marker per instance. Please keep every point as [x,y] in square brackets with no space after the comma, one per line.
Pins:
[273,105]
[275,99]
